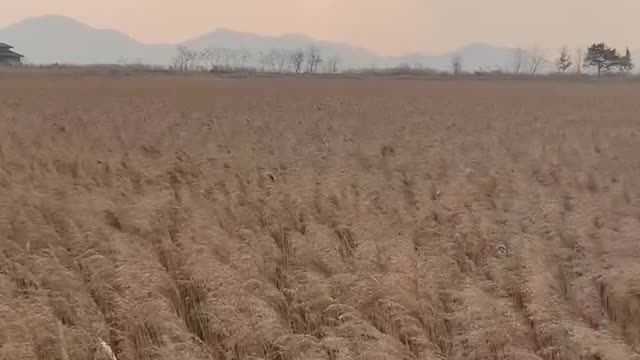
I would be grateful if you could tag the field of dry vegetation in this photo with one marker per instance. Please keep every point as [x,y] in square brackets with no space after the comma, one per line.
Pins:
[188,218]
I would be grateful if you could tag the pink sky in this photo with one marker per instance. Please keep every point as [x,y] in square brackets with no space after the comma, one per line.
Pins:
[385,26]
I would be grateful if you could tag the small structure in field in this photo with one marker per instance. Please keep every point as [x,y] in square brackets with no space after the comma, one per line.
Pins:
[8,56]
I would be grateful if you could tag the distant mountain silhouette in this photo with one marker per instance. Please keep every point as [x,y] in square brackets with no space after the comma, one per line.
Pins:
[60,39]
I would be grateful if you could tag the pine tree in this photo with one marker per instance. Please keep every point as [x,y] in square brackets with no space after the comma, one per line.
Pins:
[564,61]
[626,63]
[602,57]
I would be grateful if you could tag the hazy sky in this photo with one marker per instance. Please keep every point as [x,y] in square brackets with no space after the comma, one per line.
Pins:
[391,27]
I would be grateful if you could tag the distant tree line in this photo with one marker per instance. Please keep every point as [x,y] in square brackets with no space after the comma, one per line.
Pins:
[599,56]
[216,59]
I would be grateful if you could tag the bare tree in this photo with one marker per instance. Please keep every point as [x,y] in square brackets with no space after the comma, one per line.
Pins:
[227,56]
[267,62]
[206,58]
[280,59]
[245,56]
[213,57]
[456,64]
[579,59]
[296,59]
[184,59]
[332,64]
[193,58]
[200,61]
[537,58]
[274,60]
[313,59]
[178,62]
[518,60]
[234,58]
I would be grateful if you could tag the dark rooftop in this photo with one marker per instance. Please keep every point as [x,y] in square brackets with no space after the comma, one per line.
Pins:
[6,53]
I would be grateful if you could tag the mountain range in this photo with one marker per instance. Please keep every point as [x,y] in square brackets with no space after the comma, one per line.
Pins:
[59,39]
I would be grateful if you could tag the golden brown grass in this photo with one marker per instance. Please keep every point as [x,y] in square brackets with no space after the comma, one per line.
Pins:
[166,217]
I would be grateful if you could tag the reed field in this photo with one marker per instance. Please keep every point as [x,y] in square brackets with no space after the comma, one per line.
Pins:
[189,217]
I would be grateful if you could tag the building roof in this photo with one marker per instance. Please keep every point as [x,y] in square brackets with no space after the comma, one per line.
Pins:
[6,53]
[5,46]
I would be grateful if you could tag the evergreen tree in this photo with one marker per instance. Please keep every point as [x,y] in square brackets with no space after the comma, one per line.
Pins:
[564,61]
[626,63]
[602,57]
